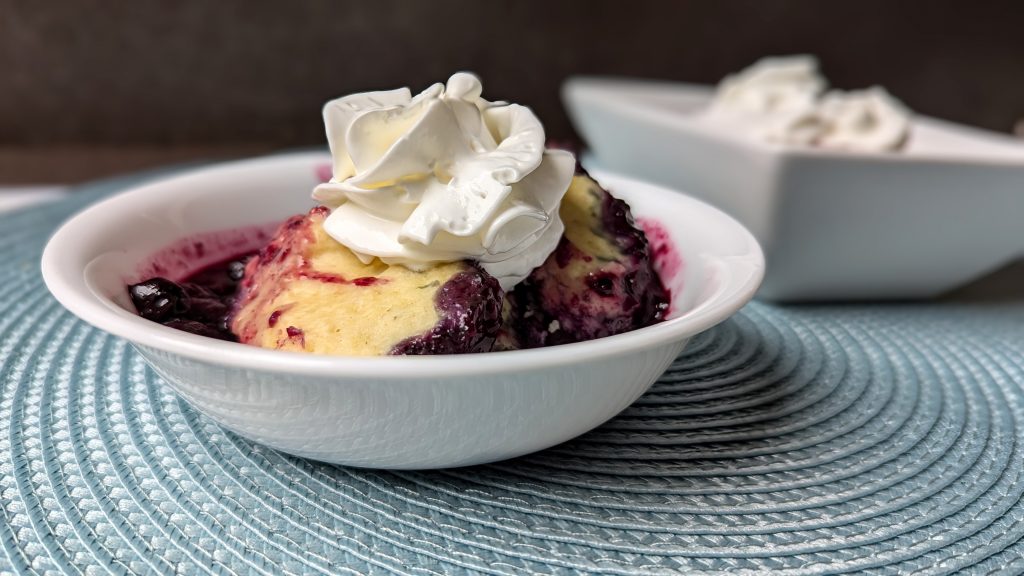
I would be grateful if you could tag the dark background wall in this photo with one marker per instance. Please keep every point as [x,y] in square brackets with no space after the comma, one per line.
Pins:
[255,73]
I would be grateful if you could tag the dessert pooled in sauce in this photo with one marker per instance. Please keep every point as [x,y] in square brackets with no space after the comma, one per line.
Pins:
[447,228]
[599,281]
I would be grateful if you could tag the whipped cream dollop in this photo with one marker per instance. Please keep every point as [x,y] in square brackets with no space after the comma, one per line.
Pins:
[774,86]
[783,100]
[443,176]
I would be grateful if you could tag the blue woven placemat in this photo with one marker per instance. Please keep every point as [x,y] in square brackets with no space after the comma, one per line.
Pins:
[815,440]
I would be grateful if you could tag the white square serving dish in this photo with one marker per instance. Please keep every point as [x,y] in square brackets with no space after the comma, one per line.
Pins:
[834,225]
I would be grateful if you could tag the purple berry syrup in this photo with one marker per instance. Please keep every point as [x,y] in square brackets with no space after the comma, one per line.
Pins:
[469,305]
[201,304]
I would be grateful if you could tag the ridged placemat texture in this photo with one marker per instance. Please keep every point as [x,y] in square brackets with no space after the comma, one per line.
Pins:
[807,440]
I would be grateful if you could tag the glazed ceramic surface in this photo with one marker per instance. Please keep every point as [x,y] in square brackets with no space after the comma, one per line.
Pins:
[388,412]
[833,225]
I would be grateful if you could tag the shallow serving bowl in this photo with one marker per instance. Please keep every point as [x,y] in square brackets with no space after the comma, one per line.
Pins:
[833,225]
[388,412]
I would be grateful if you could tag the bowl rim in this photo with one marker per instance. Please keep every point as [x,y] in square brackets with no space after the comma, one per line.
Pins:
[742,274]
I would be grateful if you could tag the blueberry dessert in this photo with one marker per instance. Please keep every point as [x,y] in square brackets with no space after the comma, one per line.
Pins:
[446,227]
[599,281]
[305,292]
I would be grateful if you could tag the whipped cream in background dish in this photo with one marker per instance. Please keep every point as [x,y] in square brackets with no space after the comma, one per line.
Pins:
[443,176]
[783,100]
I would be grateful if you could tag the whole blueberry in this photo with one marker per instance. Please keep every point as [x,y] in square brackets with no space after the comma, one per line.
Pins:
[236,270]
[158,299]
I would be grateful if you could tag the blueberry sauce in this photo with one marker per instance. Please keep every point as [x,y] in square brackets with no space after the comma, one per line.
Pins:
[666,258]
[330,278]
[602,283]
[559,303]
[296,335]
[274,317]
[200,304]
[469,304]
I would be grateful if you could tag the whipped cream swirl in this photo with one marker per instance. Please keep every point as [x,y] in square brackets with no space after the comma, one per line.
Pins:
[783,100]
[443,176]
[771,87]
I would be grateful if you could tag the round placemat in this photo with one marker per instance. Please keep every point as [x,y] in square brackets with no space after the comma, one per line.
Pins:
[803,440]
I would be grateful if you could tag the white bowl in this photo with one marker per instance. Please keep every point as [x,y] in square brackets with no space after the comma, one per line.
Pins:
[387,412]
[833,225]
